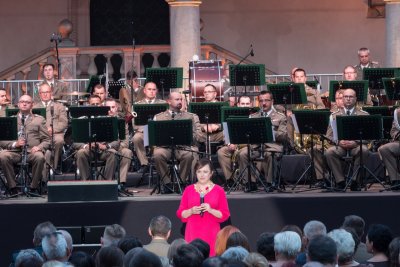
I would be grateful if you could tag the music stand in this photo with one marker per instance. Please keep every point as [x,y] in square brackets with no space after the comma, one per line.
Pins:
[392,88]
[312,84]
[14,111]
[165,78]
[311,122]
[101,129]
[246,75]
[227,112]
[288,94]
[360,87]
[114,87]
[250,131]
[209,113]
[359,128]
[170,133]
[146,112]
[88,111]
[375,75]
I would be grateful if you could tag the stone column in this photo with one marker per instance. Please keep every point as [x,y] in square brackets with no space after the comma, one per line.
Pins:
[184,32]
[392,33]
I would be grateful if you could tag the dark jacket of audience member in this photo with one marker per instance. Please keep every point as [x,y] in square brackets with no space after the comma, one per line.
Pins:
[265,245]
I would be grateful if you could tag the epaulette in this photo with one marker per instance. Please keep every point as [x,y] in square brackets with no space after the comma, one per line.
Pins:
[375,62]
[360,110]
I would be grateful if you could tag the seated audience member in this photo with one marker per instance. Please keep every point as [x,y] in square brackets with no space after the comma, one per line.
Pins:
[322,249]
[68,238]
[238,239]
[296,229]
[358,224]
[55,247]
[81,259]
[256,260]
[128,243]
[345,247]
[215,262]
[379,237]
[265,246]
[222,237]
[145,258]
[394,252]
[202,246]
[174,247]
[187,256]
[41,230]
[130,254]
[233,254]
[159,230]
[311,229]
[55,264]
[109,256]
[286,245]
[112,235]
[28,257]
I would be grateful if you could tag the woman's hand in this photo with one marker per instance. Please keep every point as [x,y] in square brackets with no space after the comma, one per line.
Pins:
[205,207]
[196,209]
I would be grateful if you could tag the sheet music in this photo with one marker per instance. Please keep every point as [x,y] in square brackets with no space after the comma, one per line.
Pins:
[296,127]
[146,135]
[334,129]
[226,132]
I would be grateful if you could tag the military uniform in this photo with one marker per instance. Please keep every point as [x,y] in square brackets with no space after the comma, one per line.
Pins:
[58,88]
[359,68]
[217,136]
[125,97]
[60,124]
[279,124]
[138,138]
[126,154]
[185,158]
[390,152]
[37,135]
[334,155]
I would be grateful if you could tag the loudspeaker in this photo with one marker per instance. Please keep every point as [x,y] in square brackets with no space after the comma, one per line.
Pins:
[65,191]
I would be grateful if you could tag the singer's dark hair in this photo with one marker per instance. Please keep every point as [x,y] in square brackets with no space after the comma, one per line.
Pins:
[300,70]
[203,162]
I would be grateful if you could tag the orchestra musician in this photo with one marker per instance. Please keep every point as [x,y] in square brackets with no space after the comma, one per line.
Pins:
[163,154]
[350,74]
[84,154]
[101,92]
[58,88]
[56,124]
[334,155]
[364,61]
[34,137]
[390,153]
[3,102]
[150,97]
[132,92]
[278,120]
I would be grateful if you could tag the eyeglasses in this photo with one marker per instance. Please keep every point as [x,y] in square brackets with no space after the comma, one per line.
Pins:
[24,102]
[209,92]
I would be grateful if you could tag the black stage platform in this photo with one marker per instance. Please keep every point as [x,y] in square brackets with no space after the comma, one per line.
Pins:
[253,213]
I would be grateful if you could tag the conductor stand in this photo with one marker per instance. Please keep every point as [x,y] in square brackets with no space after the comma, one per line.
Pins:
[170,134]
[249,131]
[165,78]
[310,122]
[360,128]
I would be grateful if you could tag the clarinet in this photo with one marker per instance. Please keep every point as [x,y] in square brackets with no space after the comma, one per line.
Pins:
[262,150]
[22,134]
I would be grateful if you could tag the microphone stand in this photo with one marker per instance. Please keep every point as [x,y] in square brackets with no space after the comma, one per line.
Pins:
[251,53]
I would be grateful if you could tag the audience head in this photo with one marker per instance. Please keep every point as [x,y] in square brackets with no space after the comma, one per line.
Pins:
[55,247]
[293,228]
[215,262]
[202,246]
[312,229]
[256,260]
[222,237]
[355,222]
[394,252]
[287,245]
[187,256]
[145,258]
[379,237]
[160,226]
[112,234]
[265,245]
[345,245]
[28,258]
[238,239]
[55,264]
[322,249]
[81,259]
[68,238]
[174,247]
[109,256]
[41,230]
[235,254]
[130,254]
[128,243]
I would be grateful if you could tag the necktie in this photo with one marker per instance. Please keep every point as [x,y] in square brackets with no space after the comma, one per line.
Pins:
[173,114]
[348,113]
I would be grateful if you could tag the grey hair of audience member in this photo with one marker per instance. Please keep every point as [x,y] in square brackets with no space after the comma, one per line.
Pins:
[68,238]
[344,244]
[160,226]
[55,264]
[55,247]
[287,244]
[313,264]
[174,247]
[235,254]
[28,255]
[41,230]
[313,229]
[255,259]
[130,254]
[112,234]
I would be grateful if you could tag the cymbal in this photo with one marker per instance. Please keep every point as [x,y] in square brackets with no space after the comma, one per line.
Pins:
[75,93]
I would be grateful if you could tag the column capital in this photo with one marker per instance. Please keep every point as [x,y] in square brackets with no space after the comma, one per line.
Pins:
[174,3]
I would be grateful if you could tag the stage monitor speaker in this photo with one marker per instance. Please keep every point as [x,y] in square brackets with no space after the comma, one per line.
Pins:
[66,191]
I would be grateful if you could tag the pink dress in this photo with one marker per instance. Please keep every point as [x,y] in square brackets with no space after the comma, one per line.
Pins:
[207,226]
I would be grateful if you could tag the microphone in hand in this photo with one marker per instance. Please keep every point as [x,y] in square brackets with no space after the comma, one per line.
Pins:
[201,202]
